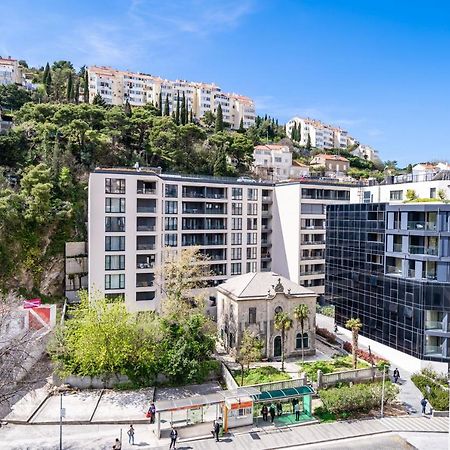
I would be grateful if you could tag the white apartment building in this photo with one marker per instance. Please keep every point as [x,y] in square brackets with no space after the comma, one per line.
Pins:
[10,72]
[298,224]
[397,192]
[272,161]
[321,135]
[117,86]
[368,153]
[136,215]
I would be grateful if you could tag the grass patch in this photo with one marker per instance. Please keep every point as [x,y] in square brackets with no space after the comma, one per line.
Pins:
[260,375]
[336,364]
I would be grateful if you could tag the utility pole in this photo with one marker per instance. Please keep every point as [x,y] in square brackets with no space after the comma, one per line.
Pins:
[382,392]
[62,413]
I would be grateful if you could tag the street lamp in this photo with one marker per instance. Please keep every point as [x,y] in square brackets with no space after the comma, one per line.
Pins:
[62,413]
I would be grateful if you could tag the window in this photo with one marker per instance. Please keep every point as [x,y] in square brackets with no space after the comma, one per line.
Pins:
[278,309]
[115,185]
[115,281]
[252,209]
[170,240]
[252,194]
[114,243]
[236,253]
[278,159]
[252,224]
[236,209]
[252,238]
[114,262]
[251,266]
[236,238]
[171,190]
[252,315]
[145,296]
[236,194]
[298,341]
[171,223]
[115,224]
[171,207]
[396,195]
[114,205]
[432,192]
[236,268]
[237,223]
[309,208]
[251,252]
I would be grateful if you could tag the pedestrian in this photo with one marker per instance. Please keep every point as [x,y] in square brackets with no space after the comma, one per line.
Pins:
[297,411]
[424,402]
[130,433]
[173,438]
[272,412]
[279,408]
[294,402]
[264,412]
[396,375]
[152,410]
[117,445]
[216,430]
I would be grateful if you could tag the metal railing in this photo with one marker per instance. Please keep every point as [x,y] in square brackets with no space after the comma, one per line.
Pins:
[423,250]
[433,325]
[146,191]
[393,270]
[421,225]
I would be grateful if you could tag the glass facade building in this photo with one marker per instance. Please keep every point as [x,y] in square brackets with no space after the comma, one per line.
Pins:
[389,265]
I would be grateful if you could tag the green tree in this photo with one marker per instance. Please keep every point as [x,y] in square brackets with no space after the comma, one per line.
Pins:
[354,325]
[69,89]
[191,119]
[13,97]
[250,350]
[283,323]
[411,195]
[308,142]
[160,104]
[209,119]
[167,106]
[127,108]
[220,164]
[177,113]
[46,74]
[183,110]
[219,119]
[301,313]
[99,101]
[76,93]
[294,132]
[86,87]
[241,126]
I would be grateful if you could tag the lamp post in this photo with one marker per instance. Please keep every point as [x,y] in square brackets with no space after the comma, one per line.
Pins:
[62,413]
[382,392]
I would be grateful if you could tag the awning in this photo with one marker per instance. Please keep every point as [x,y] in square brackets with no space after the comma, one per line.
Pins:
[188,403]
[279,394]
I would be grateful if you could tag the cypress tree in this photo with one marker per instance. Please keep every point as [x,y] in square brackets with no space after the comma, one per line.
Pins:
[241,125]
[167,106]
[308,142]
[86,87]
[45,75]
[220,164]
[219,119]
[99,101]
[191,119]
[127,109]
[69,91]
[76,94]
[48,79]
[177,114]
[160,106]
[265,118]
[183,110]
[294,132]
[299,132]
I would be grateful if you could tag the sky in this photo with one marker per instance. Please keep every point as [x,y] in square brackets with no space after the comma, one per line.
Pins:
[378,68]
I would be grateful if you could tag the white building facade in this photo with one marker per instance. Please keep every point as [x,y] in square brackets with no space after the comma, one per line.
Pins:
[10,71]
[117,86]
[136,215]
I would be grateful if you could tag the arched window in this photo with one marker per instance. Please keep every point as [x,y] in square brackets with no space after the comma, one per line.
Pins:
[278,309]
[277,346]
[298,341]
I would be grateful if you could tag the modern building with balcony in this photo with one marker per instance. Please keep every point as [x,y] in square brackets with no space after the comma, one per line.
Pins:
[389,265]
[299,229]
[135,216]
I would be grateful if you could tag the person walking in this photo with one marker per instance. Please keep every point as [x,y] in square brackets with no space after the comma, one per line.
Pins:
[297,411]
[424,403]
[396,375]
[130,433]
[152,411]
[216,430]
[173,438]
[264,412]
[117,445]
[279,409]
[272,412]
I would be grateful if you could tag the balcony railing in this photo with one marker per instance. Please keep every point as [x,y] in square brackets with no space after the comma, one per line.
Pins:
[421,225]
[433,350]
[411,273]
[313,243]
[146,227]
[433,325]
[393,270]
[144,284]
[422,250]
[429,275]
[146,209]
[305,273]
[147,191]
[397,247]
[317,256]
[145,247]
[266,198]
[145,265]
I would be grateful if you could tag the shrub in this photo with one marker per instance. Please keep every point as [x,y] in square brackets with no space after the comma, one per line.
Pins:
[337,364]
[328,335]
[437,396]
[366,356]
[260,375]
[359,398]
[325,310]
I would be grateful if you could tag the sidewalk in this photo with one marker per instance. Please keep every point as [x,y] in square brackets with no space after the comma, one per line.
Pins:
[317,433]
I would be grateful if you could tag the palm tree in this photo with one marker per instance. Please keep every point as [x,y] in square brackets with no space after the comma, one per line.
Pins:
[354,325]
[283,323]
[301,313]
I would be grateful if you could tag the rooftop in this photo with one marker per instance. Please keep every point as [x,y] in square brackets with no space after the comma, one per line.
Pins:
[261,285]
[331,157]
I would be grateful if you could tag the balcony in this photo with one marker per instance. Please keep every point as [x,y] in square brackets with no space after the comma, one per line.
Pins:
[421,250]
[266,199]
[145,246]
[433,350]
[433,325]
[394,270]
[397,248]
[411,273]
[320,242]
[430,275]
[422,225]
[146,188]
[313,256]
[305,273]
[313,227]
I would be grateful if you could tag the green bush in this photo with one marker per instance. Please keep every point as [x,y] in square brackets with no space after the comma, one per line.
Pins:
[359,398]
[325,310]
[438,396]
[260,375]
[323,415]
[337,364]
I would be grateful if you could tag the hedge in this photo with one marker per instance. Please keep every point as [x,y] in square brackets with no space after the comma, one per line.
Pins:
[438,396]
